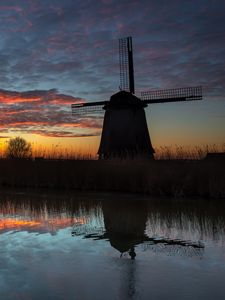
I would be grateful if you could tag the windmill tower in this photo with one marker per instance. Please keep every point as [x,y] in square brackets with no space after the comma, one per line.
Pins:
[125,132]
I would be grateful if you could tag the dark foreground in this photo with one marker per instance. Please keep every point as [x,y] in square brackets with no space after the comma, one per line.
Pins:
[203,178]
[109,246]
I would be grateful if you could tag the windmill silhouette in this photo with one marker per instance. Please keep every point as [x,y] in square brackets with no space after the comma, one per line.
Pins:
[125,228]
[125,132]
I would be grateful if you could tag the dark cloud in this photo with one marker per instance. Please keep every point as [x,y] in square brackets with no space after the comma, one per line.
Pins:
[73,46]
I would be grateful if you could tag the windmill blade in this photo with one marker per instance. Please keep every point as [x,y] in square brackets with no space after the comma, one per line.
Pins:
[89,108]
[173,248]
[157,244]
[126,64]
[174,242]
[172,95]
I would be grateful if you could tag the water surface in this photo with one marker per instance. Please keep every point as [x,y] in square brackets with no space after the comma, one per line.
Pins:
[110,246]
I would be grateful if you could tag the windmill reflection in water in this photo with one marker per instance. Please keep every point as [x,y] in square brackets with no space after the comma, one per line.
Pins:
[126,228]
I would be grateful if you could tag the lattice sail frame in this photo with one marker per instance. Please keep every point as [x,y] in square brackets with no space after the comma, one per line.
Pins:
[126,64]
[149,97]
[172,95]
[127,84]
[89,108]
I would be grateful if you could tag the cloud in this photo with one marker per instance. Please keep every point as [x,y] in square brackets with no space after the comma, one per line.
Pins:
[40,96]
[63,134]
[73,45]
[4,137]
[46,113]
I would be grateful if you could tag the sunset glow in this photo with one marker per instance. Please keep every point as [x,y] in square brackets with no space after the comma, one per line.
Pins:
[52,57]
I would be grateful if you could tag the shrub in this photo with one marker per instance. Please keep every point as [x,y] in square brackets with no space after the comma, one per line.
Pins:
[18,148]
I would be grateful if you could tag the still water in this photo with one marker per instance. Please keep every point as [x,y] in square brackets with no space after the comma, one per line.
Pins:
[110,246]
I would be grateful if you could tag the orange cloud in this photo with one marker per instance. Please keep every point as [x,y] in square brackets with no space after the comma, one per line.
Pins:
[28,123]
[15,99]
[44,96]
[65,101]
[63,134]
[16,112]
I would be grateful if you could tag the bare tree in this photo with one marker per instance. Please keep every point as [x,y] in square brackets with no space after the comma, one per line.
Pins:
[18,148]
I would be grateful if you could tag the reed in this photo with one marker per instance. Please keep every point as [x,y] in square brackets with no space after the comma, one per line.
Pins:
[161,153]
[54,152]
[170,178]
[189,152]
[175,172]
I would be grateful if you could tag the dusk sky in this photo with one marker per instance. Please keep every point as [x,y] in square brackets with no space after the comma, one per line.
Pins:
[55,53]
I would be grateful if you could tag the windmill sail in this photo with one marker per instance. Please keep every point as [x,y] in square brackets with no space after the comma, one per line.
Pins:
[149,97]
[88,108]
[157,244]
[125,132]
[126,64]
[172,95]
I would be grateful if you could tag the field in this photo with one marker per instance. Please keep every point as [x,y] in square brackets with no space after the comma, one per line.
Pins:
[168,177]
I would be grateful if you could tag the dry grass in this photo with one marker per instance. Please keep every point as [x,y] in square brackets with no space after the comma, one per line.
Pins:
[175,172]
[191,153]
[173,178]
[54,152]
[161,153]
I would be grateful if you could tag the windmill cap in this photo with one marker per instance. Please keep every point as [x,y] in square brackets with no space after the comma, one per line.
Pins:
[125,99]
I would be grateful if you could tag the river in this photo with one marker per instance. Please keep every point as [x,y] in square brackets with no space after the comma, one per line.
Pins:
[110,246]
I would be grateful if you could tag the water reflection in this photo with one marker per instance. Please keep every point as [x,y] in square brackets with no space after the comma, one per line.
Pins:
[125,228]
[88,238]
[45,213]
[125,222]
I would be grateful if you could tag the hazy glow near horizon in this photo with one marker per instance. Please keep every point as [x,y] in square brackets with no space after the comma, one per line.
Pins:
[53,56]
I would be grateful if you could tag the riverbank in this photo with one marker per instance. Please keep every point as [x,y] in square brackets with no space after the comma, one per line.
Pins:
[173,178]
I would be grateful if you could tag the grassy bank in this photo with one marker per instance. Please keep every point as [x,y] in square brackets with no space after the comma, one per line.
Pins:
[176,178]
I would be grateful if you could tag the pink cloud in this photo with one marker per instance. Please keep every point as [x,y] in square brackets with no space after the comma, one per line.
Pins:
[12,97]
[12,8]
[44,112]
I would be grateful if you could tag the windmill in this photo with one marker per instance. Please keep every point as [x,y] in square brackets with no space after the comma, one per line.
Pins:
[125,132]
[125,228]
